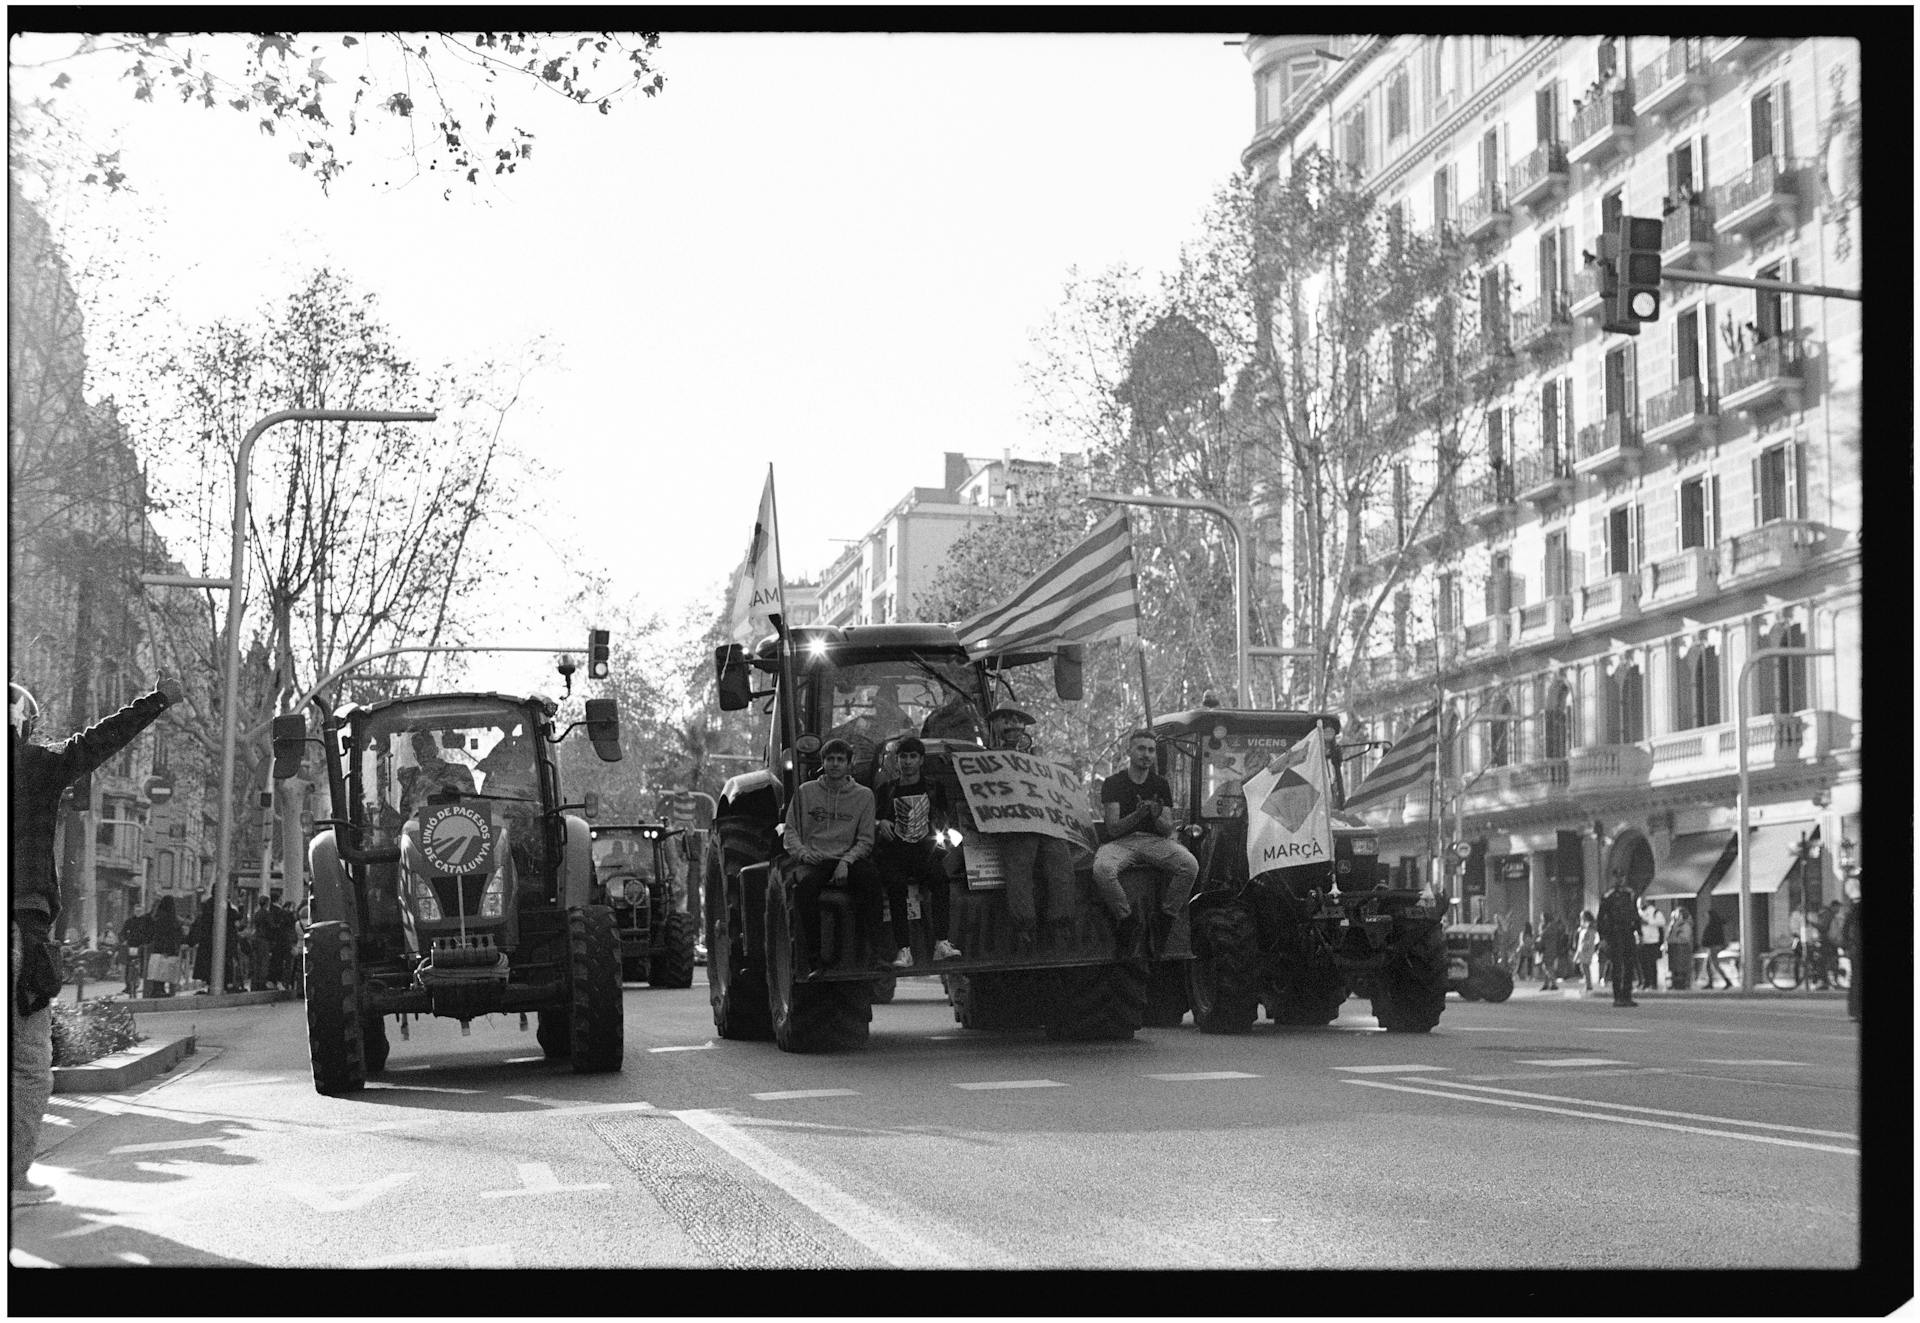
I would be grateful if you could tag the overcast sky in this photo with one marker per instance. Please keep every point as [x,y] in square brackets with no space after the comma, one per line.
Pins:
[823,251]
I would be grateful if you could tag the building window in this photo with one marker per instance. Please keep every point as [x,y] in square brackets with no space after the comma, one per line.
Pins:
[1556,719]
[1767,124]
[1698,688]
[1773,312]
[1354,140]
[1776,484]
[1626,705]
[1699,512]
[1620,387]
[1449,743]
[1612,206]
[1399,106]
[1621,530]
[1500,732]
[1448,603]
[1780,683]
[163,866]
[1557,566]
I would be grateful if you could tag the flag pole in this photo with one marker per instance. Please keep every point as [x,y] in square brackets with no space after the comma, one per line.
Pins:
[790,696]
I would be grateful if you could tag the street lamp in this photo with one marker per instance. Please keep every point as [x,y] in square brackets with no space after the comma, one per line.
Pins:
[1740,745]
[236,577]
[1243,693]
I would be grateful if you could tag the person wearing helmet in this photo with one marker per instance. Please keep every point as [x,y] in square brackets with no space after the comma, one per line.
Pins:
[41,774]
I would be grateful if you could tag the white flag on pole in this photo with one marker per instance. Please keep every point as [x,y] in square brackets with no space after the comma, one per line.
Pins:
[1288,810]
[756,584]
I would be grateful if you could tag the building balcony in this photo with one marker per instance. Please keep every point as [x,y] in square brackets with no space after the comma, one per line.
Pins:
[1604,767]
[1543,322]
[1483,639]
[1584,298]
[1485,215]
[1606,445]
[1540,177]
[1776,738]
[1487,354]
[1602,127]
[1738,52]
[1765,196]
[1541,478]
[1767,552]
[1612,599]
[1675,417]
[117,844]
[1484,498]
[1687,236]
[1692,576]
[1431,384]
[1442,518]
[1773,371]
[1547,621]
[1383,406]
[1674,81]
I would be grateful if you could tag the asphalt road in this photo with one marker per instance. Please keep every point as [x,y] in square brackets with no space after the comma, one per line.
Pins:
[1539,1133]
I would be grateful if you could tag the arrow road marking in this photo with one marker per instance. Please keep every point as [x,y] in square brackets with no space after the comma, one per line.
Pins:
[1601,1116]
[538,1178]
[322,1199]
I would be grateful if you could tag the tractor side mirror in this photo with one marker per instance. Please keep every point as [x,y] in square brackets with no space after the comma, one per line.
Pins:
[603,728]
[733,676]
[289,745]
[1069,671]
[590,805]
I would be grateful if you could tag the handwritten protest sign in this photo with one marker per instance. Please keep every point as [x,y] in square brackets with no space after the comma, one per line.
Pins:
[1010,792]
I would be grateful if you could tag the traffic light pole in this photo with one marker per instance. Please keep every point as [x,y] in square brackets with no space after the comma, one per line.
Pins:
[1747,282]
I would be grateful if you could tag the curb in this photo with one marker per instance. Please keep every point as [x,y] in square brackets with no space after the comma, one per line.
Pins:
[121,1070]
[201,1001]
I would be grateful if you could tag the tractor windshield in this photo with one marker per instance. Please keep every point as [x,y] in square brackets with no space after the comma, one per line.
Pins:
[1240,755]
[868,703]
[410,754]
[616,851]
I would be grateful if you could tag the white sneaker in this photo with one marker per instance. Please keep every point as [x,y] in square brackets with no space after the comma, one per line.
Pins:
[945,950]
[905,959]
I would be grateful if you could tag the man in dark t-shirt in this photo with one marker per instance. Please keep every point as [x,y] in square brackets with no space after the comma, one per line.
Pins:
[908,815]
[1136,802]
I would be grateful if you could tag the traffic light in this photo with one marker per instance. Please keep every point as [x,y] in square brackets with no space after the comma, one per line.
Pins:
[598,665]
[1635,294]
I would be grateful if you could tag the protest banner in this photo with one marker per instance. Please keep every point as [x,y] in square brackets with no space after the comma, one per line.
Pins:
[1288,811]
[1010,792]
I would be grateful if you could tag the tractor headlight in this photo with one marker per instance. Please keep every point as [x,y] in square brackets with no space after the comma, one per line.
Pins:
[423,900]
[493,901]
[1366,845]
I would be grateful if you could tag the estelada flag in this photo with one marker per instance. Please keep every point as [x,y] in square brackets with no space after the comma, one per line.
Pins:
[1289,818]
[757,606]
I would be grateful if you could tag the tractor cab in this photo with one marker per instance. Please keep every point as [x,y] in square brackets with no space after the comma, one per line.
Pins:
[638,873]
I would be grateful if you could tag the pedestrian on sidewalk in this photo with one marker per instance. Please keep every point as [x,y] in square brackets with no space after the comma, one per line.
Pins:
[1653,933]
[1680,949]
[40,775]
[1713,936]
[1525,951]
[165,952]
[1850,936]
[1620,930]
[1553,951]
[1586,945]
[135,936]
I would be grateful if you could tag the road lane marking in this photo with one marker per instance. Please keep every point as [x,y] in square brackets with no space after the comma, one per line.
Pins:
[1387,1070]
[883,1233]
[1609,1029]
[1206,1075]
[420,1088]
[324,1199]
[1572,1061]
[538,1178]
[1659,1111]
[1483,1028]
[1743,1061]
[689,1047]
[549,1107]
[19,1258]
[783,1095]
[1601,1116]
[468,1256]
[1013,1084]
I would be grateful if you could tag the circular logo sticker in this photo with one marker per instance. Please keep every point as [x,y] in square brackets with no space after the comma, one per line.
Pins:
[456,839]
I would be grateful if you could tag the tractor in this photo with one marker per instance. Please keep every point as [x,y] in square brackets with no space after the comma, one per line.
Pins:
[635,877]
[451,880]
[873,685]
[1299,939]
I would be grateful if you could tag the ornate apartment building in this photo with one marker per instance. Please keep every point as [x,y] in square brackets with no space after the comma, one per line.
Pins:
[1641,514]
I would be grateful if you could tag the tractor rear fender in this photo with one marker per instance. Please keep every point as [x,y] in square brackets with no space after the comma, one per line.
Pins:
[576,864]
[332,894]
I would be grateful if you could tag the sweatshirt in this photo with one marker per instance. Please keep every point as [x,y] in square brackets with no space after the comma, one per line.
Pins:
[825,825]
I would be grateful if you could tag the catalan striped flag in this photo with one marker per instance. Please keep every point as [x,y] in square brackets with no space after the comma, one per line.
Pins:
[1406,766]
[1087,595]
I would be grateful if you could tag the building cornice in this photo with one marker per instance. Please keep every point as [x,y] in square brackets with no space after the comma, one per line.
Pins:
[1529,60]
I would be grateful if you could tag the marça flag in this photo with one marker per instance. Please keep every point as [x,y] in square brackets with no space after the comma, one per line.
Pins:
[1406,766]
[1086,595]
[757,603]
[1289,818]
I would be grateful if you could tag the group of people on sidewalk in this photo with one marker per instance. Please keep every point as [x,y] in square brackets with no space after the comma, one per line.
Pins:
[159,957]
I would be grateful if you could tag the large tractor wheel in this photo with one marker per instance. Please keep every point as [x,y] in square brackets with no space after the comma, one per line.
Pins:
[1166,994]
[1311,1001]
[1412,990]
[994,1001]
[738,995]
[333,1011]
[809,1017]
[1097,1002]
[1223,976]
[597,1027]
[673,966]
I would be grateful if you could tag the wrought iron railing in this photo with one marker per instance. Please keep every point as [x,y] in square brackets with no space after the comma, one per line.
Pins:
[1609,108]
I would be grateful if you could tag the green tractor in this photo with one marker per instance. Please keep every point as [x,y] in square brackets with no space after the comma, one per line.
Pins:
[1297,940]
[452,881]
[634,876]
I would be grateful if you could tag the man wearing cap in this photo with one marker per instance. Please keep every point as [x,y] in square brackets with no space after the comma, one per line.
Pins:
[1135,801]
[1023,853]
[41,774]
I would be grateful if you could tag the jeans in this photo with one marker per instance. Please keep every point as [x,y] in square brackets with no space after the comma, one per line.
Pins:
[1022,854]
[862,881]
[1176,865]
[29,1070]
[921,864]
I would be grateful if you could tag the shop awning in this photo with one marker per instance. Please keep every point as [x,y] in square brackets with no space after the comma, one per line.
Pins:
[1696,861]
[1773,858]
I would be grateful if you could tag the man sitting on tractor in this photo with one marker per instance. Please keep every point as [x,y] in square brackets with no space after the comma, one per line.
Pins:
[1135,801]
[829,838]
[910,812]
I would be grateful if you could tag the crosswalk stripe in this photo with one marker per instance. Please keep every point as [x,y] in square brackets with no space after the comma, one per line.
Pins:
[1571,1061]
[785,1094]
[1013,1084]
[1387,1070]
[1206,1075]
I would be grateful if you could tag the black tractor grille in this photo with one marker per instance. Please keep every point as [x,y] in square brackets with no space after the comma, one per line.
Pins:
[459,895]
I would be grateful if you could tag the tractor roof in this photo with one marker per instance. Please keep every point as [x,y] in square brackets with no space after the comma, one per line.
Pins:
[546,705]
[895,636]
[1241,721]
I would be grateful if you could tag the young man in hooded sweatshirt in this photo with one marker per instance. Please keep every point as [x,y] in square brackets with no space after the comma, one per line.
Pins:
[829,836]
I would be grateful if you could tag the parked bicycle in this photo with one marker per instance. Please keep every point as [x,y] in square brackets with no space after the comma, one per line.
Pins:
[1820,968]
